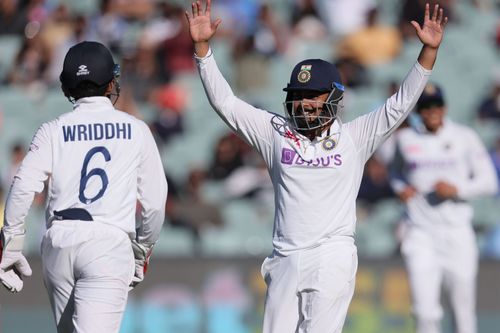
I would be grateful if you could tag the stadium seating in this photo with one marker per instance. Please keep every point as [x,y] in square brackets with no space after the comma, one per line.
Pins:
[464,70]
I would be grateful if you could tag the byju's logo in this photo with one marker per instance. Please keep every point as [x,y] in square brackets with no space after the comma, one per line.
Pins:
[287,156]
[82,70]
[290,157]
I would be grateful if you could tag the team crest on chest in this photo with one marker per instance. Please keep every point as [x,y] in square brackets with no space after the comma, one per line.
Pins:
[329,144]
[304,74]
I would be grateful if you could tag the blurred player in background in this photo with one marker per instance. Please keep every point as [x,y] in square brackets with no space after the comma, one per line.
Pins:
[437,169]
[99,162]
[316,164]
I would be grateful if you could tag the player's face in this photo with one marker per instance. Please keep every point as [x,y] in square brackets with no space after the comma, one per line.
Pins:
[309,103]
[432,117]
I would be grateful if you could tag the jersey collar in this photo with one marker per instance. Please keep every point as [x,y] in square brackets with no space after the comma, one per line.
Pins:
[94,101]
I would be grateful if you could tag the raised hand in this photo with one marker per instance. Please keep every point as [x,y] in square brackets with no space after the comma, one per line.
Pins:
[201,26]
[431,32]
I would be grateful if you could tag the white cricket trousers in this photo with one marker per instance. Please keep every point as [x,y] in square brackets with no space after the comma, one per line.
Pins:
[87,269]
[310,291]
[443,257]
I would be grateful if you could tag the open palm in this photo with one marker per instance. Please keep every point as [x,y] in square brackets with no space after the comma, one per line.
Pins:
[201,27]
[431,32]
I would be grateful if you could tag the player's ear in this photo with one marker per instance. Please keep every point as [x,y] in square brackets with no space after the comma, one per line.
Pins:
[109,88]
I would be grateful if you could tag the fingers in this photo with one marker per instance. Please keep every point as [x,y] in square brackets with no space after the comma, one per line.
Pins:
[442,21]
[208,7]
[216,23]
[198,8]
[437,15]
[440,16]
[194,9]
[435,12]
[445,21]
[416,26]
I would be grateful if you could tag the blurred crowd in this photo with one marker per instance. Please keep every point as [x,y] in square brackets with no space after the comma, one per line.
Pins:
[149,40]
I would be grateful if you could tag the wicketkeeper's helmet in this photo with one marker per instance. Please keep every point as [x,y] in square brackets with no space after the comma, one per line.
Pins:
[314,75]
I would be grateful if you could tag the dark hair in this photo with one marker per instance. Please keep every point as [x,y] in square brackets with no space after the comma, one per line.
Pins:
[87,89]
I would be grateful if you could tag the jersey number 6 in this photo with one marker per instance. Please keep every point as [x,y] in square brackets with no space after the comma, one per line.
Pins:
[85,176]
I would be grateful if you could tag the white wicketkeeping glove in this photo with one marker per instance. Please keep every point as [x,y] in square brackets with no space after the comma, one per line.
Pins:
[13,265]
[141,256]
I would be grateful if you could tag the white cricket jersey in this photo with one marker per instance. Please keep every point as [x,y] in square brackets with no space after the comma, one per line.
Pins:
[456,155]
[316,183]
[96,158]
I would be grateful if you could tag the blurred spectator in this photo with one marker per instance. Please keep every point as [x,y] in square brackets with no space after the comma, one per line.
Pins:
[353,74]
[59,33]
[495,156]
[373,44]
[485,5]
[497,35]
[176,52]
[251,68]
[491,248]
[252,51]
[17,153]
[375,184]
[162,26]
[37,13]
[239,16]
[13,17]
[126,103]
[412,10]
[268,36]
[2,205]
[227,158]
[306,21]
[190,210]
[108,27]
[141,73]
[345,16]
[489,108]
[135,10]
[170,101]
[30,64]
[251,181]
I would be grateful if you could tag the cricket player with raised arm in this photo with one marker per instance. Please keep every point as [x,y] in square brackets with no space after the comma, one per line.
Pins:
[437,168]
[98,161]
[315,163]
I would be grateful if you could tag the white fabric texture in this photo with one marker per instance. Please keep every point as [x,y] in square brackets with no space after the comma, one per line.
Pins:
[310,275]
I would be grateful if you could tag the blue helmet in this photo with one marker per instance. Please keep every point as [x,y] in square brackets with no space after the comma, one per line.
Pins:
[315,75]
